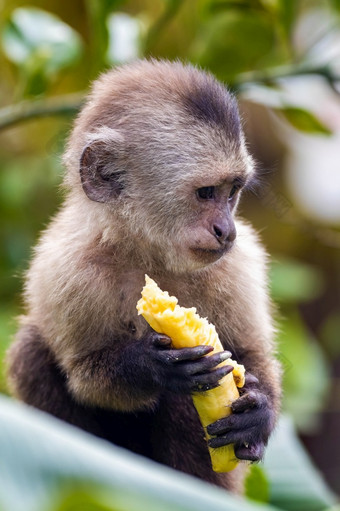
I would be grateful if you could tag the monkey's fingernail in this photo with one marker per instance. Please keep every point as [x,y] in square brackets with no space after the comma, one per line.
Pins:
[225,355]
[163,338]
[162,341]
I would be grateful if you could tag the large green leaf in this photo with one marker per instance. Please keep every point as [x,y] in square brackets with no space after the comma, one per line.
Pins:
[40,44]
[257,484]
[295,484]
[46,464]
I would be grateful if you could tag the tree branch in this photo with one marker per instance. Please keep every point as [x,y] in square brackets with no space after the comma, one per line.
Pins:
[270,76]
[31,109]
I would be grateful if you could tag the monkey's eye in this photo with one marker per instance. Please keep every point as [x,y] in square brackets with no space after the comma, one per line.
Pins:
[233,191]
[206,193]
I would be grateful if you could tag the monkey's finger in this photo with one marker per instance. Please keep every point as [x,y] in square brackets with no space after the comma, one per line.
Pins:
[251,452]
[251,399]
[241,421]
[183,354]
[160,340]
[204,364]
[250,380]
[207,381]
[192,353]
[232,437]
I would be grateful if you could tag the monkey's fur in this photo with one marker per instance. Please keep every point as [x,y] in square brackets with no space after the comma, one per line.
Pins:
[155,167]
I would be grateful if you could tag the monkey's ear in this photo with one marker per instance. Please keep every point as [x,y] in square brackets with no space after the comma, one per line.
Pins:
[100,178]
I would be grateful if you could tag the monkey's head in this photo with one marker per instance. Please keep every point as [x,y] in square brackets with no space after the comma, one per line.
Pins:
[159,151]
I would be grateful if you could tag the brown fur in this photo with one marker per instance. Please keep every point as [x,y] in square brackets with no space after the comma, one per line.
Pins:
[152,132]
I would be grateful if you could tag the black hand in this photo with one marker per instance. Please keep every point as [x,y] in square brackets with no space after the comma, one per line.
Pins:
[248,427]
[185,370]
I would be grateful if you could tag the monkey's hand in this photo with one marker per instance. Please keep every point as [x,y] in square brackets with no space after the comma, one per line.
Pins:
[249,426]
[185,370]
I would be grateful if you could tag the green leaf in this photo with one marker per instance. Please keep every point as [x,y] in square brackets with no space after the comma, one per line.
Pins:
[40,44]
[303,120]
[44,460]
[48,465]
[257,484]
[86,498]
[295,484]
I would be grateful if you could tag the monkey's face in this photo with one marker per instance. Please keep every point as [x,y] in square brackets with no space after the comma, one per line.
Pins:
[213,230]
[186,212]
[176,204]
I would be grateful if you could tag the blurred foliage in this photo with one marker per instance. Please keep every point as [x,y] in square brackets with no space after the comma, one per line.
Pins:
[51,51]
[40,45]
[48,465]
[257,485]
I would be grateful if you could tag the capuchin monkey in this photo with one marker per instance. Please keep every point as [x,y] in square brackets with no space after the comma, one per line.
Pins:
[156,164]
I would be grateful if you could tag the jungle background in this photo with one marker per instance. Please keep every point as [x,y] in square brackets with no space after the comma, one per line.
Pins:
[282,60]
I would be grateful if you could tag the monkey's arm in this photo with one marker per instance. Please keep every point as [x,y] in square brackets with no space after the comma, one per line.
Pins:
[122,378]
[131,376]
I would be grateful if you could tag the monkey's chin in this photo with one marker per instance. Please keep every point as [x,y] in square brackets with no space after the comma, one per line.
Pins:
[205,256]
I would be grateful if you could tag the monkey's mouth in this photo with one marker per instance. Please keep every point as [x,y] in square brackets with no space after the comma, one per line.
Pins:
[210,253]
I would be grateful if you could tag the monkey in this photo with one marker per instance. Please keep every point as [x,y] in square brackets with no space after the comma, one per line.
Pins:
[155,167]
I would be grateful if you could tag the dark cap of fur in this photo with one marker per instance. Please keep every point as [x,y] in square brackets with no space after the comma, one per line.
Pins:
[153,83]
[210,102]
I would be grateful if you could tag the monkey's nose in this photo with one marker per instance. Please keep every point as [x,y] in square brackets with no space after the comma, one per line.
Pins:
[224,232]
